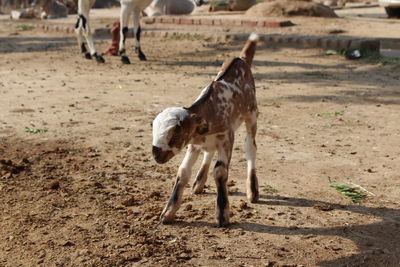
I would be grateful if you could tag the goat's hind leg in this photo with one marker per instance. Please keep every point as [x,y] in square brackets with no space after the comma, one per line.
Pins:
[79,34]
[137,30]
[250,150]
[202,174]
[221,171]
[184,173]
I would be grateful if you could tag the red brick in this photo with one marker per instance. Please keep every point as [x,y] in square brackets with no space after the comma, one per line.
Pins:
[196,21]
[249,23]
[167,20]
[227,22]
[217,22]
[207,22]
[272,24]
[238,22]
[186,21]
[176,20]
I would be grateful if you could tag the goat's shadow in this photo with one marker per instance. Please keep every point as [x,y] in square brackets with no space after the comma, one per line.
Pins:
[378,242]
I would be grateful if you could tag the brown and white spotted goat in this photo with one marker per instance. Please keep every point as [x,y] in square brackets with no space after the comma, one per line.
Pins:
[208,125]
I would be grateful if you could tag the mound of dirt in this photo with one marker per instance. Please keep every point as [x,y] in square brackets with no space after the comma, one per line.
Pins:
[290,8]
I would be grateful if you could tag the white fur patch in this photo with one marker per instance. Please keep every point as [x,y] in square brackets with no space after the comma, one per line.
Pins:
[164,121]
[254,37]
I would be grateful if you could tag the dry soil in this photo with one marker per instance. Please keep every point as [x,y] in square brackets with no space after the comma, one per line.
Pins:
[87,192]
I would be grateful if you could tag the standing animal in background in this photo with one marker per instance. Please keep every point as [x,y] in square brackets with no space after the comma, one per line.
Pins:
[209,125]
[134,7]
[128,8]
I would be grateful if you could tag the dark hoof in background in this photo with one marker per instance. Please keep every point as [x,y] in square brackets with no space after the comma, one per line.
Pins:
[140,54]
[125,60]
[88,56]
[100,59]
[142,57]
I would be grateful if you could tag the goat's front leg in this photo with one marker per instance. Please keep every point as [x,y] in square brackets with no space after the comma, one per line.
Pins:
[83,12]
[137,30]
[124,17]
[250,150]
[82,28]
[221,171]
[81,21]
[202,174]
[184,172]
[89,38]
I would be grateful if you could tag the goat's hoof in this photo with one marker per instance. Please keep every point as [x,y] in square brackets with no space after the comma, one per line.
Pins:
[253,197]
[196,189]
[197,192]
[223,222]
[100,59]
[166,220]
[142,57]
[125,60]
[88,56]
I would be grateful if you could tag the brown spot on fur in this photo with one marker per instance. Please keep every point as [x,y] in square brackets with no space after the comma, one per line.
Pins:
[220,136]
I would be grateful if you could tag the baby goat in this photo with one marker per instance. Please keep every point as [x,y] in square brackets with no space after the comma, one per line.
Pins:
[209,125]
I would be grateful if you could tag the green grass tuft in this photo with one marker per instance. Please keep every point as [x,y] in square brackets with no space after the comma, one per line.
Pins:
[187,36]
[352,192]
[266,188]
[25,27]
[35,131]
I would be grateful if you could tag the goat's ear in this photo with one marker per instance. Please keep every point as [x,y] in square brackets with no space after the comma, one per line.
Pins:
[200,124]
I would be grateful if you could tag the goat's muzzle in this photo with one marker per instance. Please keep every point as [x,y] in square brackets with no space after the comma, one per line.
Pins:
[161,156]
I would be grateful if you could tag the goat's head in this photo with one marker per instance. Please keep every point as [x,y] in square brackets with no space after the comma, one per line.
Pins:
[172,130]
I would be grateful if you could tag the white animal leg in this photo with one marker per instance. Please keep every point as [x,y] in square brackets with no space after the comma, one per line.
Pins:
[184,173]
[221,171]
[79,35]
[124,18]
[136,32]
[82,28]
[81,25]
[202,174]
[250,148]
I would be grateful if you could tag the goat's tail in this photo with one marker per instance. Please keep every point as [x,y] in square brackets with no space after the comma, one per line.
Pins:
[249,48]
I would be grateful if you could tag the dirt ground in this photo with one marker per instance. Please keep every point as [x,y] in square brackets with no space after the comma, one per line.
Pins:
[88,193]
